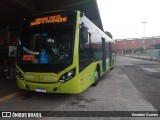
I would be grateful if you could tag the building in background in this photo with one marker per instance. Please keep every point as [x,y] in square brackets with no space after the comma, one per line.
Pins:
[136,45]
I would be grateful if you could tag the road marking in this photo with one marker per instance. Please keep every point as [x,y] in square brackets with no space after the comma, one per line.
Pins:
[151,69]
[3,90]
[10,96]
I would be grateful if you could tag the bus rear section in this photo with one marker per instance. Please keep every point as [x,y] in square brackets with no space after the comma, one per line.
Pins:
[49,54]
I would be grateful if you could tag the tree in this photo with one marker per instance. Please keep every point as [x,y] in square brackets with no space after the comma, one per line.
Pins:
[109,34]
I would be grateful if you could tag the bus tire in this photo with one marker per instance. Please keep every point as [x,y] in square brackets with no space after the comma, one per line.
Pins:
[97,77]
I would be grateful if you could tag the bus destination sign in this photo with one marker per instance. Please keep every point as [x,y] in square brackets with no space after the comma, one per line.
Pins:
[49,19]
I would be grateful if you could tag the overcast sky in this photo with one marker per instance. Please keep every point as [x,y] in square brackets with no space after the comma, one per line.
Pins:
[123,18]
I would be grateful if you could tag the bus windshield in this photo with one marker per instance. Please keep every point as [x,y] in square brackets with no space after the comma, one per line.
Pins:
[45,46]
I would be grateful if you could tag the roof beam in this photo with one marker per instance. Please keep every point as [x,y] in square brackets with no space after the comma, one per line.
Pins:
[26,5]
[74,4]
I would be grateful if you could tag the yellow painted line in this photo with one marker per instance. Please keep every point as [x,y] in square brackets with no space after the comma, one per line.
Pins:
[9,97]
[3,90]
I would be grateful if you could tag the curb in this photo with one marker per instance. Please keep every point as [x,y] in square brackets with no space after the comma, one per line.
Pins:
[146,58]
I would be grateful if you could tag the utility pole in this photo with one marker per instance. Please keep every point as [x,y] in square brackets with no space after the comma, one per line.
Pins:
[124,43]
[144,47]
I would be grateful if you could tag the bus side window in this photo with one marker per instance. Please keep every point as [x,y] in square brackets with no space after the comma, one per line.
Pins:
[84,48]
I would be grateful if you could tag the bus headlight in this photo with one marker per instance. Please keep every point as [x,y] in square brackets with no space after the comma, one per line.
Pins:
[19,75]
[67,76]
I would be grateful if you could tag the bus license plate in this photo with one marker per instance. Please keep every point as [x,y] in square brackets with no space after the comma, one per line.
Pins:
[41,90]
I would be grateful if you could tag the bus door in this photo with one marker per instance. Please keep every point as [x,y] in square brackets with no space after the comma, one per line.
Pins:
[110,55]
[104,54]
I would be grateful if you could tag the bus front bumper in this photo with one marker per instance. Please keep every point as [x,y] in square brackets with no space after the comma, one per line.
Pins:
[72,86]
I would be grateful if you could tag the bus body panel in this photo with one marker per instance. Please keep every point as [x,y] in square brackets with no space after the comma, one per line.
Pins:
[76,85]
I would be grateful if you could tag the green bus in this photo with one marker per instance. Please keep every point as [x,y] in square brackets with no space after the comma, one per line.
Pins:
[61,52]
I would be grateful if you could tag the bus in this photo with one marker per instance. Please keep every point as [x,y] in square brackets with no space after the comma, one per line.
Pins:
[61,52]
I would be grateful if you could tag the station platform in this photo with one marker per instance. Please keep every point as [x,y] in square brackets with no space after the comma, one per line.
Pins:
[8,89]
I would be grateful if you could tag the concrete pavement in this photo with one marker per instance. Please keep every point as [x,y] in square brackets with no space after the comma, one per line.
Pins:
[8,89]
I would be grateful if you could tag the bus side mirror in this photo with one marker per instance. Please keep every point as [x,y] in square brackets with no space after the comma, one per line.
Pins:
[84,33]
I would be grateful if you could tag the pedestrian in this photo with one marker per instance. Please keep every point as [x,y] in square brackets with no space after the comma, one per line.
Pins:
[12,66]
[6,68]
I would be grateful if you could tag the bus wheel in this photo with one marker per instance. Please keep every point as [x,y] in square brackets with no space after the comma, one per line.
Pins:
[97,77]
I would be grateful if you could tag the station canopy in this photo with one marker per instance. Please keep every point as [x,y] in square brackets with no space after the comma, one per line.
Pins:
[12,12]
